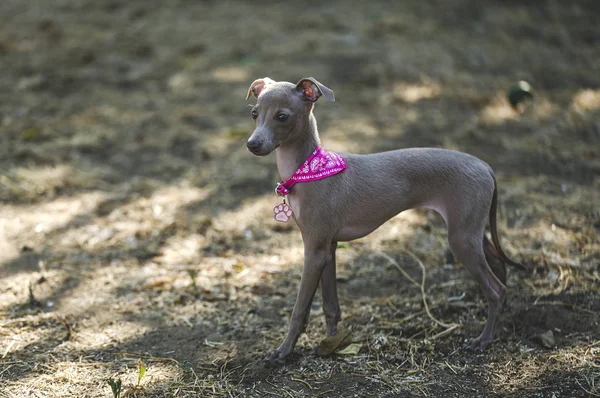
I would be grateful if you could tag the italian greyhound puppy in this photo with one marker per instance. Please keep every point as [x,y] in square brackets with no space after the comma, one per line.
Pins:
[372,189]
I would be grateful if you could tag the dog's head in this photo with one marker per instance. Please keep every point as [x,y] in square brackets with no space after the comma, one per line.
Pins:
[282,111]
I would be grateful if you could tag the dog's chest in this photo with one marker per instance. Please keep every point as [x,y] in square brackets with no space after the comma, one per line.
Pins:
[294,203]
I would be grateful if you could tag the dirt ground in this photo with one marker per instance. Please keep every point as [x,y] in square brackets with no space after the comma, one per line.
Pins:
[134,223]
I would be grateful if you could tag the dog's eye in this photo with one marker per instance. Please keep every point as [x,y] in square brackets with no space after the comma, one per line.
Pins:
[282,117]
[254,114]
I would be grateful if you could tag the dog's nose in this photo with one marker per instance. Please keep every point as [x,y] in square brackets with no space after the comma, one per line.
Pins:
[254,145]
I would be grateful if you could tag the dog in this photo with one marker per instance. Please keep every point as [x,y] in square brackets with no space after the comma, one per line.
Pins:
[341,197]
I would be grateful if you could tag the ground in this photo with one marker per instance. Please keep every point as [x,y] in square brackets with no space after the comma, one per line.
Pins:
[134,223]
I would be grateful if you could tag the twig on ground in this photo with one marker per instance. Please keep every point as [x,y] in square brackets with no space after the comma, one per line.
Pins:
[562,303]
[303,382]
[69,328]
[421,286]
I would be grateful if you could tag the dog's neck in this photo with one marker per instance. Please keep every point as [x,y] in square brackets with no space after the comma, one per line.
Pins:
[291,155]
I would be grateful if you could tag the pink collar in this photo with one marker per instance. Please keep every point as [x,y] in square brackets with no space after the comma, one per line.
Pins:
[320,164]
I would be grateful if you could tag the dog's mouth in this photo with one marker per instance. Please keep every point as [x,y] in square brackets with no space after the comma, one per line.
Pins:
[257,152]
[261,151]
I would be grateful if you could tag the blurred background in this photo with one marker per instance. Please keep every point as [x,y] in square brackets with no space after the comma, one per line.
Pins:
[134,220]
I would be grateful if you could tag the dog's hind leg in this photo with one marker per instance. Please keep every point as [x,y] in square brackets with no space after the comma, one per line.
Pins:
[494,260]
[468,249]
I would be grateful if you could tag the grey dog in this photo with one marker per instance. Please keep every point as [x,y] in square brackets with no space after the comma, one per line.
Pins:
[373,188]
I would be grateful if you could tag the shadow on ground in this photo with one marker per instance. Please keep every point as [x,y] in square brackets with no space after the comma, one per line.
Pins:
[134,223]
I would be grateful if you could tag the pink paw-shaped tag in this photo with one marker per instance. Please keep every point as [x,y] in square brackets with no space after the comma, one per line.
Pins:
[282,212]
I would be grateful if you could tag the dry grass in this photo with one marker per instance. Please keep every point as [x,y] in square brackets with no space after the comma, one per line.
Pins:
[134,224]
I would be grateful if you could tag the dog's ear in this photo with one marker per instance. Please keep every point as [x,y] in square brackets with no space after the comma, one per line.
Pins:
[310,89]
[258,86]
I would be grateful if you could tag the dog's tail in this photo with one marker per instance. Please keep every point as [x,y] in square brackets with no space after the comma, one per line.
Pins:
[494,230]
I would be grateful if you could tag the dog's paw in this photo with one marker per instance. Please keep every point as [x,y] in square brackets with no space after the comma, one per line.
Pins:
[282,212]
[276,358]
[478,344]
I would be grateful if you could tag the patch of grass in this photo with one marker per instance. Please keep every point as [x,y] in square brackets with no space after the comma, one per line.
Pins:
[141,372]
[115,386]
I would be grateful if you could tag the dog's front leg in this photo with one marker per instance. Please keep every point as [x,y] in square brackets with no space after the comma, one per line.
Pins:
[315,258]
[331,305]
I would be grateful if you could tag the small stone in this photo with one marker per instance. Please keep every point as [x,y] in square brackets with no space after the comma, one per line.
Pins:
[262,289]
[546,339]
[180,81]
[31,83]
[215,337]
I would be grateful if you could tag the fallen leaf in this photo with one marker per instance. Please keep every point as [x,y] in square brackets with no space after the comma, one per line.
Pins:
[352,349]
[330,344]
[31,134]
[212,344]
